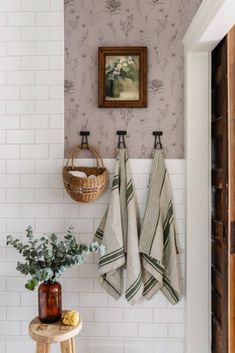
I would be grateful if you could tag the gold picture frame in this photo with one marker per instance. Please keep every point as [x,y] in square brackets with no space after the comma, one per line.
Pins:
[122,81]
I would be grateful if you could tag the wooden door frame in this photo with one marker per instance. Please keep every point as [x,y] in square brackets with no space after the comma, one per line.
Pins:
[231,186]
[212,22]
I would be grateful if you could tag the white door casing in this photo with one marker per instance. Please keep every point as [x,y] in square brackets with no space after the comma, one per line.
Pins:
[211,23]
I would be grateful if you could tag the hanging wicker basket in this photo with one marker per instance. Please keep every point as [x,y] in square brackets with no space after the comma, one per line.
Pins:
[85,189]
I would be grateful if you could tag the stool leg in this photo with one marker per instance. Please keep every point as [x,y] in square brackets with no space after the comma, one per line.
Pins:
[73,345]
[68,346]
[43,347]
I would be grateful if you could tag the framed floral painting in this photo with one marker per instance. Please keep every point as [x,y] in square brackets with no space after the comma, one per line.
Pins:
[123,77]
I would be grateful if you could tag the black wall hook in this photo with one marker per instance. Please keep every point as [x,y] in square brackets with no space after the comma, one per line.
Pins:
[157,140]
[121,138]
[84,135]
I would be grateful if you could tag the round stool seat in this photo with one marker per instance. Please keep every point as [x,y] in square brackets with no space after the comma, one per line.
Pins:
[45,334]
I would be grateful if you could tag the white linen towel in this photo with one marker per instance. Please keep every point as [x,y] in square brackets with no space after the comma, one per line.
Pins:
[157,237]
[118,233]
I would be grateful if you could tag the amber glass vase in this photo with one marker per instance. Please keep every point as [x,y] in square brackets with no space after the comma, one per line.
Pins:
[49,302]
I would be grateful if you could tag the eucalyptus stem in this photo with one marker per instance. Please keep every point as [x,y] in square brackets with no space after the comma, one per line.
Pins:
[47,257]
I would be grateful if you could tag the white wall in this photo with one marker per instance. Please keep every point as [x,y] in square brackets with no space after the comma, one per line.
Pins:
[31,192]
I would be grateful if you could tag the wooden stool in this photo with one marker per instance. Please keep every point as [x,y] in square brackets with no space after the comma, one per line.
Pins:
[45,334]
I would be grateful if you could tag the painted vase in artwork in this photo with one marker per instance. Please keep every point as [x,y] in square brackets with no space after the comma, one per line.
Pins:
[112,88]
[116,91]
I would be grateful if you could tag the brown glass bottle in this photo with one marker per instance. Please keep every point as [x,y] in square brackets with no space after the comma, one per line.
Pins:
[49,302]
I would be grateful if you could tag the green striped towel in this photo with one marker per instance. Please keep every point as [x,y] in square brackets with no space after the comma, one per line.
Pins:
[157,237]
[118,233]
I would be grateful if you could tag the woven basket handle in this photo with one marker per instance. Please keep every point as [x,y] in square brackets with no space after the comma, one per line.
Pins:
[76,149]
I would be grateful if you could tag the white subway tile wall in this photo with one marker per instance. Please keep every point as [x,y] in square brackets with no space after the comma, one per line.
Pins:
[31,192]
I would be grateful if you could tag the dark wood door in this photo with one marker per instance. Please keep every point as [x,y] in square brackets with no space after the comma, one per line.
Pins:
[223,196]
[219,236]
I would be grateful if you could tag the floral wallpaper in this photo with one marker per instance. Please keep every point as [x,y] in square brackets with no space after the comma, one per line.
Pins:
[158,24]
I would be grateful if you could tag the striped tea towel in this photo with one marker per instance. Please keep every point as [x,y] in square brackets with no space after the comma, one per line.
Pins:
[134,285]
[157,237]
[110,235]
[118,233]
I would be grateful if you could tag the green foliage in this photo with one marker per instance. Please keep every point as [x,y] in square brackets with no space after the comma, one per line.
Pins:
[47,257]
